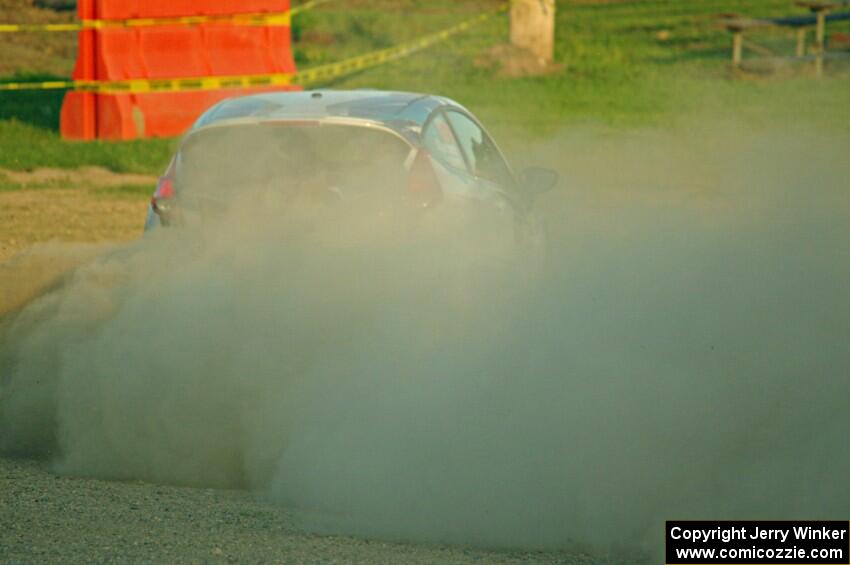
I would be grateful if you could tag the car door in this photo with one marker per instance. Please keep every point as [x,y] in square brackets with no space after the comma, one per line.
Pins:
[452,146]
[493,176]
[473,184]
[447,157]
[484,160]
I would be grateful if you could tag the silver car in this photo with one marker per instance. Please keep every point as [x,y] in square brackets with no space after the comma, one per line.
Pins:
[410,151]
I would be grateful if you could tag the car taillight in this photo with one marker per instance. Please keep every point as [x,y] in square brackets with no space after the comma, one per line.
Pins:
[162,196]
[423,188]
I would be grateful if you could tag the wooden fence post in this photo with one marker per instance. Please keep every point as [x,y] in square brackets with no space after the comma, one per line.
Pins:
[801,42]
[820,41]
[533,27]
[737,48]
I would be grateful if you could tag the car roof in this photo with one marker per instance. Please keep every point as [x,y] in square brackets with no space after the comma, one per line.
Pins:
[401,111]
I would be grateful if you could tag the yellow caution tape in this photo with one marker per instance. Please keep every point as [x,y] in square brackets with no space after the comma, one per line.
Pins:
[13,28]
[375,58]
[184,84]
[260,19]
[307,6]
[46,85]
[253,19]
[305,77]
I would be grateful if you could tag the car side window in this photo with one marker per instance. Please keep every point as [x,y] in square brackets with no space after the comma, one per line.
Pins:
[441,143]
[483,155]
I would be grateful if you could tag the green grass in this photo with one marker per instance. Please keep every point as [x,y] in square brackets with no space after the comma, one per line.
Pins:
[128,191]
[626,64]
[616,69]
[8,185]
[25,146]
[37,107]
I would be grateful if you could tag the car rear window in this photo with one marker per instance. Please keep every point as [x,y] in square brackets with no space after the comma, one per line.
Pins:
[348,160]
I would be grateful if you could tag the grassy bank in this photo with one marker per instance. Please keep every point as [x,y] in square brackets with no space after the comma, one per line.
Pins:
[622,64]
[24,146]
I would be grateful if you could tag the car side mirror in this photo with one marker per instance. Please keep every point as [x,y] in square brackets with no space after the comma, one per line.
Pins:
[537,180]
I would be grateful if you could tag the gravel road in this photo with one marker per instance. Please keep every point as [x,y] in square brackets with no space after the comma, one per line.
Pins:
[47,518]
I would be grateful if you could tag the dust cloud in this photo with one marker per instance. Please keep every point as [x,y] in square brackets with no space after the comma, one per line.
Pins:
[684,353]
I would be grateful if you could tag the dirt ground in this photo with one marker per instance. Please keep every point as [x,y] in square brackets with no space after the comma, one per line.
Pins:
[22,52]
[48,518]
[87,205]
